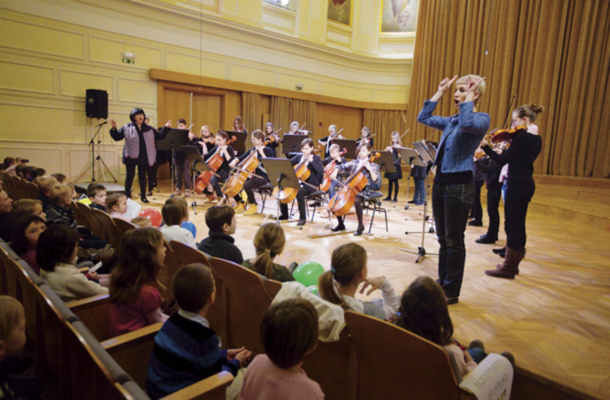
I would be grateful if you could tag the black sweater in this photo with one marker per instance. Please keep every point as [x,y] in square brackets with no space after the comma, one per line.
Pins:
[316,167]
[520,157]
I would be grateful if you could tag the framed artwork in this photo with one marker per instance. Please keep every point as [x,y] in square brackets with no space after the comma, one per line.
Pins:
[340,11]
[398,16]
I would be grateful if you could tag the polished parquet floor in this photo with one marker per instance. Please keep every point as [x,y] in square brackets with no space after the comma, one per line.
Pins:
[554,317]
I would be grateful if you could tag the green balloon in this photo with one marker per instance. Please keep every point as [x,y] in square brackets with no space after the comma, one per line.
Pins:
[308,273]
[313,289]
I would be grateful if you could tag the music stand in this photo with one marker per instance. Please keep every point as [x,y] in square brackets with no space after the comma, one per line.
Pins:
[425,156]
[239,145]
[292,143]
[410,157]
[176,138]
[350,145]
[197,164]
[385,161]
[281,174]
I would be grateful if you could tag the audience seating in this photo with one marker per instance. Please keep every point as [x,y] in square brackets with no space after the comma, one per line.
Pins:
[112,234]
[123,226]
[394,363]
[171,265]
[79,216]
[18,189]
[245,301]
[94,312]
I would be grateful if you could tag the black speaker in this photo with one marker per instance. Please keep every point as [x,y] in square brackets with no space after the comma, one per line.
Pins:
[97,104]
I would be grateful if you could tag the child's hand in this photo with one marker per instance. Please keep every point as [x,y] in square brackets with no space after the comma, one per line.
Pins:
[92,276]
[231,353]
[467,356]
[241,354]
[374,283]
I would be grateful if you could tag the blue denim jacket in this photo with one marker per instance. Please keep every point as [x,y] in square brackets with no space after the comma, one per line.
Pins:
[462,133]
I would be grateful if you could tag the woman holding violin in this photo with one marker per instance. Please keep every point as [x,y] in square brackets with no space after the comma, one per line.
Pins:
[370,171]
[272,138]
[259,150]
[206,141]
[312,162]
[520,156]
[365,136]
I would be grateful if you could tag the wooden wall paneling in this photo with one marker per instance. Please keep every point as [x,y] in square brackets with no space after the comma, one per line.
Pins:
[206,111]
[348,118]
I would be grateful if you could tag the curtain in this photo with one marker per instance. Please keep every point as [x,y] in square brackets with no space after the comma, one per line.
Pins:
[285,110]
[552,53]
[251,113]
[383,123]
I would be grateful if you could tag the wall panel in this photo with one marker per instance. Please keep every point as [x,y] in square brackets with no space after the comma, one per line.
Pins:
[75,83]
[27,78]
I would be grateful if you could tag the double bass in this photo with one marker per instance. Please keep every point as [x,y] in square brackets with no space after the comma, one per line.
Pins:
[287,195]
[214,162]
[242,172]
[328,171]
[344,199]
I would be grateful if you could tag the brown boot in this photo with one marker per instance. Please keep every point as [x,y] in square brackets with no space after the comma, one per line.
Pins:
[521,257]
[509,268]
[83,255]
[105,254]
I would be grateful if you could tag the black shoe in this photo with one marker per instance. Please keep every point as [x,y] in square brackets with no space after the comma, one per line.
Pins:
[474,222]
[143,199]
[394,201]
[301,222]
[452,300]
[387,199]
[149,194]
[412,202]
[338,228]
[359,231]
[498,251]
[283,217]
[502,254]
[486,239]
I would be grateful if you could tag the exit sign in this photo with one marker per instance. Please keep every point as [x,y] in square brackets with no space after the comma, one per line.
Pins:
[128,61]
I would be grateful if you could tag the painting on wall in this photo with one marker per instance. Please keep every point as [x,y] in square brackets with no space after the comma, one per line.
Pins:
[340,11]
[399,16]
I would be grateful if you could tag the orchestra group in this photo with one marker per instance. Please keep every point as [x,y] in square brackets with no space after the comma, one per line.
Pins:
[464,154]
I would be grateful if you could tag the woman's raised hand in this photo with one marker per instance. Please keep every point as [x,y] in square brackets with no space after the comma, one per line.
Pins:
[445,84]
[112,123]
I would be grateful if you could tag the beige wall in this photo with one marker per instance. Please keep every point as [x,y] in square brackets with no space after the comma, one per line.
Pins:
[53,50]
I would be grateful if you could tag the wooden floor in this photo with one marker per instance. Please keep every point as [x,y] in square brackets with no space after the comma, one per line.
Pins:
[554,317]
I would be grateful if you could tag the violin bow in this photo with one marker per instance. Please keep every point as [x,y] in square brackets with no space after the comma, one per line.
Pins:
[510,107]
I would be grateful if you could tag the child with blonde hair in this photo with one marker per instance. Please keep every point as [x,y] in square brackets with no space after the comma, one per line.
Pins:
[116,204]
[45,184]
[269,243]
[348,270]
[142,222]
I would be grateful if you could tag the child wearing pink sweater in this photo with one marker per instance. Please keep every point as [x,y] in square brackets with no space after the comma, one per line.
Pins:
[289,332]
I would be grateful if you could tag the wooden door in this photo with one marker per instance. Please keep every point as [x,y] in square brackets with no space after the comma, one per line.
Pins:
[206,111]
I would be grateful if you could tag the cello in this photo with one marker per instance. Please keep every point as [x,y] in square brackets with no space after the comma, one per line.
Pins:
[344,199]
[328,171]
[213,163]
[242,172]
[287,195]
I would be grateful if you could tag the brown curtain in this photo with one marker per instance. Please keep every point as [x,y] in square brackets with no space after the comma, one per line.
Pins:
[383,123]
[285,110]
[553,53]
[251,113]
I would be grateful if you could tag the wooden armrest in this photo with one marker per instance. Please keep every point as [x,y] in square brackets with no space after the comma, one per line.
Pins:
[89,302]
[84,270]
[128,339]
[212,388]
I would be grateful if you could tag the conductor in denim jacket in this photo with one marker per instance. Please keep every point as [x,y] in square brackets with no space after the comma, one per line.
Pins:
[453,189]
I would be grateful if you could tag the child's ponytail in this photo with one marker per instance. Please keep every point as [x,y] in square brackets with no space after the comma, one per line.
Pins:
[269,241]
[347,263]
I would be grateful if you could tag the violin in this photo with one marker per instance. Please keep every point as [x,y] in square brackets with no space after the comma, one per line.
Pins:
[287,195]
[214,162]
[344,199]
[503,135]
[328,172]
[243,171]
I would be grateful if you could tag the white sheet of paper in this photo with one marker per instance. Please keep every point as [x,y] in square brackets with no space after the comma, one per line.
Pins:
[133,209]
[95,267]
[492,379]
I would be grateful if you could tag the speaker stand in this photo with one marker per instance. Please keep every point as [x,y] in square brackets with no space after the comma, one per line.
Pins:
[102,165]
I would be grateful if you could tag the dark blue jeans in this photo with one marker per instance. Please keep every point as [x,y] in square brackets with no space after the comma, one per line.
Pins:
[420,190]
[451,205]
[477,208]
[494,193]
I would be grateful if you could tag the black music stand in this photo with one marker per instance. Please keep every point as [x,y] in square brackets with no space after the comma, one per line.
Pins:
[175,139]
[239,145]
[410,157]
[292,143]
[424,154]
[350,145]
[281,174]
[197,164]
[385,161]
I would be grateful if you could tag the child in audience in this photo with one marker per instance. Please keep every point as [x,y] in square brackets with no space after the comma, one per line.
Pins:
[36,173]
[25,207]
[12,341]
[289,331]
[186,349]
[348,270]
[142,222]
[56,256]
[58,211]
[116,204]
[97,194]
[423,311]
[135,301]
[26,231]
[6,204]
[61,178]
[45,184]
[175,212]
[269,242]
[222,224]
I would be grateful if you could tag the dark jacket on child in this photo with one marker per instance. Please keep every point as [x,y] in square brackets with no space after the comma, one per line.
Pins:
[98,207]
[60,215]
[221,245]
[45,200]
